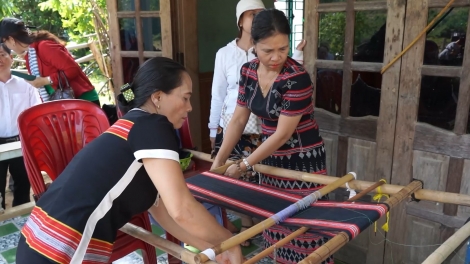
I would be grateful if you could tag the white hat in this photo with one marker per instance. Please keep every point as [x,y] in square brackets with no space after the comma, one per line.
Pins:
[245,5]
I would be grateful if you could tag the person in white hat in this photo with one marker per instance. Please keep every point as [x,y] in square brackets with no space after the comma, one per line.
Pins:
[228,62]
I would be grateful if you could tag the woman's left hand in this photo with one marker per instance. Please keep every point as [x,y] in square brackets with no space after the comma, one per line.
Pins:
[39,82]
[232,171]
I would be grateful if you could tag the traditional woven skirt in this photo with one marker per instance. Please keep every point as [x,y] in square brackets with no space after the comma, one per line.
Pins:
[305,244]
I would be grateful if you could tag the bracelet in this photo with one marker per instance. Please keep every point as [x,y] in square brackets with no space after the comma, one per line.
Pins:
[248,166]
[242,173]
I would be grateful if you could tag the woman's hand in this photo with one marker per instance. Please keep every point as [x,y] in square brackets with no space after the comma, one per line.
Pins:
[231,256]
[216,164]
[39,82]
[233,171]
[301,45]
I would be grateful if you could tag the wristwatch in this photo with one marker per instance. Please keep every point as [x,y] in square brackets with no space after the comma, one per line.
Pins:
[49,79]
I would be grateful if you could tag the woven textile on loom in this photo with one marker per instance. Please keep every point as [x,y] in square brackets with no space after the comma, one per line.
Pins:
[324,217]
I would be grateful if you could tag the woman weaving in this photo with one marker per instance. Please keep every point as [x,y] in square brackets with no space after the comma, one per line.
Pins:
[278,90]
[122,173]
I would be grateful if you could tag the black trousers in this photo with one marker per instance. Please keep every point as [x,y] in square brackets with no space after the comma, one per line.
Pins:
[21,190]
[26,255]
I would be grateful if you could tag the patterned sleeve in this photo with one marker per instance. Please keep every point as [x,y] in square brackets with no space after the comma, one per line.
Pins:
[297,96]
[153,136]
[242,96]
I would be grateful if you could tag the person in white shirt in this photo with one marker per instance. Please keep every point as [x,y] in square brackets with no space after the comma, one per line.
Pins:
[16,95]
[225,86]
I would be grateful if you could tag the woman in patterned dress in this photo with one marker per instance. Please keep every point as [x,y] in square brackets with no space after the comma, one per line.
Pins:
[278,90]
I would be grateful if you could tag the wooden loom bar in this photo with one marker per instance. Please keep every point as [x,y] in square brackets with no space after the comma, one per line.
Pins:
[341,239]
[423,194]
[258,228]
[449,246]
[303,229]
[161,243]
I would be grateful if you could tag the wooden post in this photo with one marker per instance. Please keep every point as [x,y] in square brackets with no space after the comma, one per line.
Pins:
[407,111]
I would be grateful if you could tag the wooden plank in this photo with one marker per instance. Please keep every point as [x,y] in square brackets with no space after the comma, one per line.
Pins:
[358,6]
[136,54]
[165,19]
[444,71]
[464,211]
[115,48]
[140,35]
[436,140]
[188,30]
[348,57]
[408,99]
[463,103]
[311,37]
[432,169]
[342,160]
[131,14]
[446,220]
[357,127]
[454,180]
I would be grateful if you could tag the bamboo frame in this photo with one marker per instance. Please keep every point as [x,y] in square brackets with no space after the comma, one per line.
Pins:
[422,194]
[161,243]
[341,239]
[256,229]
[449,246]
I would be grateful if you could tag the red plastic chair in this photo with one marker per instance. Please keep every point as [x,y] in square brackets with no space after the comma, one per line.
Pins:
[51,134]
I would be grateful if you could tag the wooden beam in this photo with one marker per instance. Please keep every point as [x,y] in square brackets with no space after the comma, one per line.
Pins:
[115,48]
[358,6]
[17,211]
[348,57]
[463,103]
[444,142]
[454,181]
[408,100]
[131,14]
[442,3]
[166,29]
[311,37]
[138,28]
[136,54]
[386,122]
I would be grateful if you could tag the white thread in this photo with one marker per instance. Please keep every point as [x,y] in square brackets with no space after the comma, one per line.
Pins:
[210,253]
[352,192]
[354,174]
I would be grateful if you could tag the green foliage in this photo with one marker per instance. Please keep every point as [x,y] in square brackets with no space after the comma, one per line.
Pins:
[77,16]
[454,22]
[46,20]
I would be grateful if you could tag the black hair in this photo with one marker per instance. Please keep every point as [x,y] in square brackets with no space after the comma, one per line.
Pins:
[269,22]
[19,31]
[5,48]
[156,74]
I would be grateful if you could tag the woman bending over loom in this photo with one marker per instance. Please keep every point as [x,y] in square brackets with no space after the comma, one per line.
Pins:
[278,90]
[122,173]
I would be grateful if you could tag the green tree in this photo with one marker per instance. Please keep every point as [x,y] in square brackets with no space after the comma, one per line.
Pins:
[42,19]
[77,16]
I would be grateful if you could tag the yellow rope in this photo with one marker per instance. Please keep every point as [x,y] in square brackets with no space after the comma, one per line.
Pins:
[384,69]
[377,197]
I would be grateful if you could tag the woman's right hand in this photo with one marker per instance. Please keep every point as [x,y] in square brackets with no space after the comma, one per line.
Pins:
[216,164]
[231,256]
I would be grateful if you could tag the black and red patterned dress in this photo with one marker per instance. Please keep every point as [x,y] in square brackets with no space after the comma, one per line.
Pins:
[290,95]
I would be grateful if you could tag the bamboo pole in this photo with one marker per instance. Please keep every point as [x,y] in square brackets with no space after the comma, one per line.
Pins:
[449,246]
[303,229]
[341,239]
[256,229]
[422,194]
[161,243]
